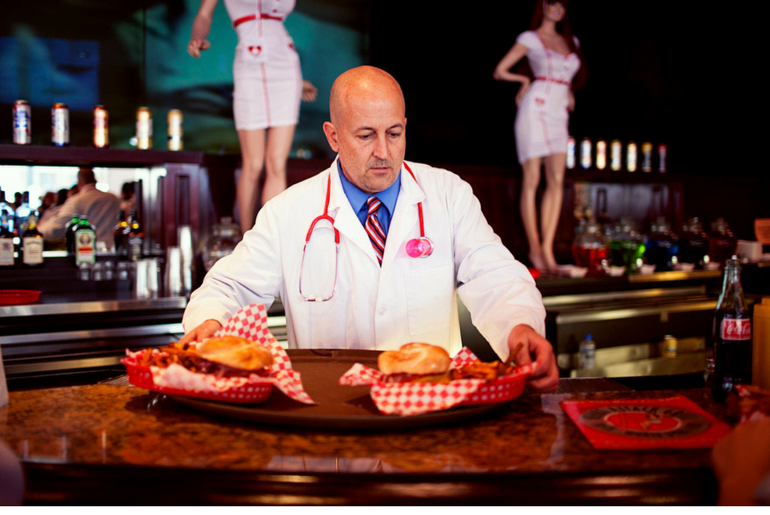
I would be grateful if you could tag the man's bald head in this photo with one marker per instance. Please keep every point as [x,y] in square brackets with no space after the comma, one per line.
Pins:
[362,84]
[367,127]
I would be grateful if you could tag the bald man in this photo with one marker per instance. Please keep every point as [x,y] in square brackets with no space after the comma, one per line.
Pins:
[99,207]
[411,238]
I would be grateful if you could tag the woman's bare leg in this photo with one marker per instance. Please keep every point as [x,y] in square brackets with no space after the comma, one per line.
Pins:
[555,166]
[528,207]
[253,157]
[279,141]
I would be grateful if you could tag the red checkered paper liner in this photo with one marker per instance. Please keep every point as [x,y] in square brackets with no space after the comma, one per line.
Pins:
[249,323]
[418,398]
[662,423]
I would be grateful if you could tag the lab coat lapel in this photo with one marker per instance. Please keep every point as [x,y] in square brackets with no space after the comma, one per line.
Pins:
[405,218]
[345,219]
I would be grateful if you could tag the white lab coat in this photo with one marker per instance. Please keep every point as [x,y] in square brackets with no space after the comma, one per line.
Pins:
[407,299]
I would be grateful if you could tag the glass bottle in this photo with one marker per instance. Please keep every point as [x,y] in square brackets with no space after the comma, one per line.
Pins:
[694,244]
[32,243]
[69,234]
[662,246]
[627,246]
[22,214]
[85,243]
[225,236]
[135,238]
[722,241]
[589,249]
[732,334]
[7,258]
[121,236]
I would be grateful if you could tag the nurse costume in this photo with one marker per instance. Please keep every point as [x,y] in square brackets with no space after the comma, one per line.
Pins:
[266,71]
[542,115]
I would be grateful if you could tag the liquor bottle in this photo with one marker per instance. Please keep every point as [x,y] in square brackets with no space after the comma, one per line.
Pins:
[69,234]
[85,243]
[694,245]
[722,241]
[22,215]
[121,236]
[135,238]
[32,243]
[627,246]
[732,334]
[6,209]
[662,245]
[7,259]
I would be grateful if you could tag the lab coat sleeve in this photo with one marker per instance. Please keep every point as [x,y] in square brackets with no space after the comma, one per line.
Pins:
[498,290]
[250,275]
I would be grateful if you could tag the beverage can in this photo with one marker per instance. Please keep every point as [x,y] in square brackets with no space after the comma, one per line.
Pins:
[60,124]
[662,156]
[670,344]
[570,152]
[143,128]
[646,156]
[601,154]
[101,127]
[175,140]
[616,155]
[631,156]
[22,123]
[585,153]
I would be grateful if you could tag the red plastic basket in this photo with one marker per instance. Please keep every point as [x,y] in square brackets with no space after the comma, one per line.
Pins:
[141,376]
[13,297]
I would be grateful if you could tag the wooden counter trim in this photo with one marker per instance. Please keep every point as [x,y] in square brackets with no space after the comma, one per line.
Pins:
[49,484]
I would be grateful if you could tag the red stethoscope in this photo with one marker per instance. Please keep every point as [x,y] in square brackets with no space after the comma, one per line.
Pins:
[416,247]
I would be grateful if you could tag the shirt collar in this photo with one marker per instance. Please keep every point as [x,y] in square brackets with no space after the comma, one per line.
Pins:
[358,198]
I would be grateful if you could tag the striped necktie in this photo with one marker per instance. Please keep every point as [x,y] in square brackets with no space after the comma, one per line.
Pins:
[373,227]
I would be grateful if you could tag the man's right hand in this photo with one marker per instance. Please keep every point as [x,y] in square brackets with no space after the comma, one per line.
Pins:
[203,331]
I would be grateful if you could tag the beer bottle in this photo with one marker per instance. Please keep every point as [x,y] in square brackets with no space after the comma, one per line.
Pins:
[32,243]
[732,334]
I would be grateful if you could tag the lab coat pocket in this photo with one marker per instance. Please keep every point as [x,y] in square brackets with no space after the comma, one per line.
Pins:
[429,298]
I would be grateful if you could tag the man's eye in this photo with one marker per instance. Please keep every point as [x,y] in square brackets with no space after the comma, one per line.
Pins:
[395,135]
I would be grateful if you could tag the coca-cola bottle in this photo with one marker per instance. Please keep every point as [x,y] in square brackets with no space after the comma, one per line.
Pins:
[732,334]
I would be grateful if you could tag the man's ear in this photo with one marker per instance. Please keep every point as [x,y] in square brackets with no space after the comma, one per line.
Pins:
[331,135]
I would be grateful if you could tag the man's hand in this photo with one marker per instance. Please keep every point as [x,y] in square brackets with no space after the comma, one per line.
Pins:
[741,460]
[203,331]
[545,377]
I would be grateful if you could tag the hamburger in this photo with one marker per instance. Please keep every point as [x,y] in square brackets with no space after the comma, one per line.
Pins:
[415,362]
[426,363]
[225,356]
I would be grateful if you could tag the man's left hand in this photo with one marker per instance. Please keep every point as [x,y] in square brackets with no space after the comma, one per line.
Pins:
[545,376]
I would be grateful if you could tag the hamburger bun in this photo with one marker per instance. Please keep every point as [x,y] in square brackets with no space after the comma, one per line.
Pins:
[416,359]
[236,353]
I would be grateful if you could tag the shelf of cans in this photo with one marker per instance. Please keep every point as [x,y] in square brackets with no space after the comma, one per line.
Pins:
[60,126]
[615,156]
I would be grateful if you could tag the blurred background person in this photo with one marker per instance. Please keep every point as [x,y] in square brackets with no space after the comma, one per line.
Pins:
[552,69]
[101,209]
[268,87]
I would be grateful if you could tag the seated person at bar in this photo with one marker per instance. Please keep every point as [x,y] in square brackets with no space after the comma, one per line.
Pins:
[373,290]
[101,209]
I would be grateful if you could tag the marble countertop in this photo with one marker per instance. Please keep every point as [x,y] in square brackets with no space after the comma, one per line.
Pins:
[105,434]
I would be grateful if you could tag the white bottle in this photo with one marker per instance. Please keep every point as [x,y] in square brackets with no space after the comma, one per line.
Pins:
[587,353]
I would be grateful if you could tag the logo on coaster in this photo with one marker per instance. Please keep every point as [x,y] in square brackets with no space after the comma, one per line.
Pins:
[645,421]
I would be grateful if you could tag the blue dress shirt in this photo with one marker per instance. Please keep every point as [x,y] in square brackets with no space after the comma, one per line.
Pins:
[358,199]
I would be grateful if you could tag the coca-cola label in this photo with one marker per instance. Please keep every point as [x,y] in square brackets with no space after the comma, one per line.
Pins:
[736,329]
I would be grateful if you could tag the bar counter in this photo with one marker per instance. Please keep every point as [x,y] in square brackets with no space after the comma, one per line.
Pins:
[116,444]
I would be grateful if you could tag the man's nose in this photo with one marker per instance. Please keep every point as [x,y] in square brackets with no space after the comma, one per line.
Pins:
[381,148]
